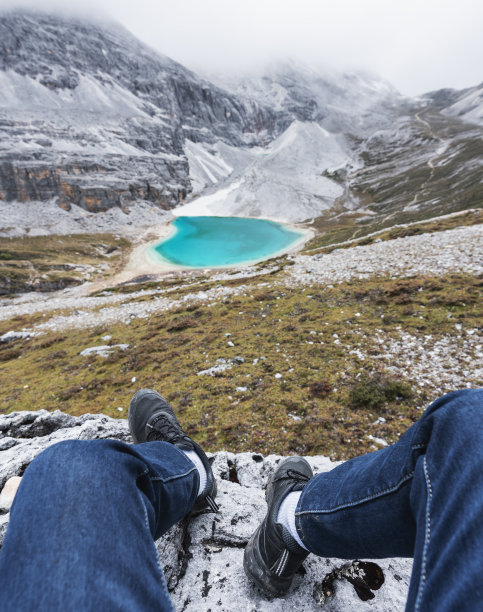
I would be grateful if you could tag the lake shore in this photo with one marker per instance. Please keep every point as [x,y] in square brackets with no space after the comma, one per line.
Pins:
[145,261]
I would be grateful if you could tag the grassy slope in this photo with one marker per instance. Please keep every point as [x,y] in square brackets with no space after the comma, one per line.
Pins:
[292,328]
[347,230]
[398,185]
[45,262]
[313,337]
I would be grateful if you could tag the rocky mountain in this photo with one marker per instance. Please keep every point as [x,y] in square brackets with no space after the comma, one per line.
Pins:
[341,102]
[466,104]
[202,558]
[92,118]
[355,147]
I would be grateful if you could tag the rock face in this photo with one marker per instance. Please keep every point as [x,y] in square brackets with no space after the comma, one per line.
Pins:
[202,558]
[466,104]
[91,116]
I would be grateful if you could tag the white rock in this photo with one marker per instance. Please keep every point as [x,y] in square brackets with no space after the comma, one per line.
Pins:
[378,441]
[220,366]
[213,560]
[104,350]
[10,336]
[8,493]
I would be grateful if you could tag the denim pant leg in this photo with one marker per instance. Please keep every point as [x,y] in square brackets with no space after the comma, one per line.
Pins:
[421,497]
[83,524]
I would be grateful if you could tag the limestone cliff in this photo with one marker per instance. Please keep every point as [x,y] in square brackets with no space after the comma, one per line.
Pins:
[91,116]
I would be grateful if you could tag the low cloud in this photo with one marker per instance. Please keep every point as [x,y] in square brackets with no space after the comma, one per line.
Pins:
[418,46]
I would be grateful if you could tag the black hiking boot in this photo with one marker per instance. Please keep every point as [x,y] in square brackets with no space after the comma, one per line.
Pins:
[272,556]
[151,418]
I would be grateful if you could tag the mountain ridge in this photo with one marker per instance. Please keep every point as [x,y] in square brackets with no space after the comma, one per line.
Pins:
[92,119]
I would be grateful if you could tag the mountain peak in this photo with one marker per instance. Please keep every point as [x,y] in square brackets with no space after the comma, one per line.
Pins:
[91,116]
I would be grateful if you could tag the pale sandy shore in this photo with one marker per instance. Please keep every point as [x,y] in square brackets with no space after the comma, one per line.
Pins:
[143,261]
[140,262]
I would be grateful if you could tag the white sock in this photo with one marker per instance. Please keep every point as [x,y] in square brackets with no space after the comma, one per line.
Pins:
[194,458]
[286,515]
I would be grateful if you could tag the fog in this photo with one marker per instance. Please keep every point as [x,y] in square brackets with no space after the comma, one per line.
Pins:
[416,45]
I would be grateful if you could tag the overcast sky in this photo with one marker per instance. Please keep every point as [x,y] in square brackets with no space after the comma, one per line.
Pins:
[417,45]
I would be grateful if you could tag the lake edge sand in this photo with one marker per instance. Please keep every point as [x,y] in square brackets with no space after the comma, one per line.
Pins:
[144,261]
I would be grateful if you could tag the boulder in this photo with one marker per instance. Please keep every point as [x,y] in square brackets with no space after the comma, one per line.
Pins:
[203,556]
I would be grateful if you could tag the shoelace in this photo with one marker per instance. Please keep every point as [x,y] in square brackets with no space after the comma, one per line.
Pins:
[164,429]
[212,504]
[293,475]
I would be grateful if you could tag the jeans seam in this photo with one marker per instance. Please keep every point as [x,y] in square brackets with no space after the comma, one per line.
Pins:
[146,519]
[427,536]
[175,477]
[300,531]
[162,577]
[159,565]
[359,501]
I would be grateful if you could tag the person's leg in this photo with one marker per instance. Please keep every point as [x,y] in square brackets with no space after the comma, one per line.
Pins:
[421,497]
[83,524]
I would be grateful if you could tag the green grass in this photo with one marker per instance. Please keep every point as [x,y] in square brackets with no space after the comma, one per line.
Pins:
[351,231]
[396,174]
[45,263]
[275,331]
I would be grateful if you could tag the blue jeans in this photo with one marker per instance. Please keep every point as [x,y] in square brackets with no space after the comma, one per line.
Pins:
[83,523]
[421,498]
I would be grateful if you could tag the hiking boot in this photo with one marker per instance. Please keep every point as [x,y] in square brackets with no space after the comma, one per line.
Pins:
[272,555]
[151,418]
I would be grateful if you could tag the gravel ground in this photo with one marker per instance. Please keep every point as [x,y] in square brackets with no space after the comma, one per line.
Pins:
[457,250]
[440,365]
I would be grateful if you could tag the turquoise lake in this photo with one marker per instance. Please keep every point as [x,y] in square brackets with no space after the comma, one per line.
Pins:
[201,242]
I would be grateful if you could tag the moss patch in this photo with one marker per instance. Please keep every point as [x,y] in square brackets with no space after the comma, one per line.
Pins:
[299,364]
